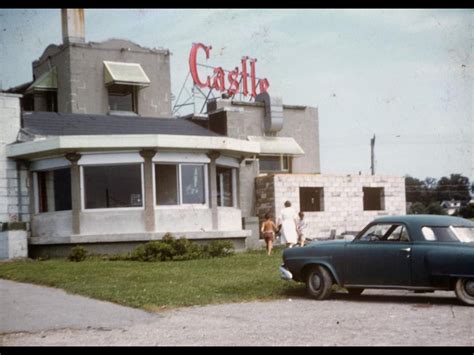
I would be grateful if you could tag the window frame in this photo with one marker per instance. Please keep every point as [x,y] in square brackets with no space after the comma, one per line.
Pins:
[283,158]
[233,184]
[134,94]
[180,204]
[83,191]
[36,189]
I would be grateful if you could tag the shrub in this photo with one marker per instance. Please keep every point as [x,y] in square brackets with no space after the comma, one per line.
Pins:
[77,254]
[170,248]
[219,248]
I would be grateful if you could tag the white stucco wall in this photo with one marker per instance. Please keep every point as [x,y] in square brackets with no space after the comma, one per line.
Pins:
[343,200]
[52,224]
[112,222]
[13,244]
[183,220]
[229,219]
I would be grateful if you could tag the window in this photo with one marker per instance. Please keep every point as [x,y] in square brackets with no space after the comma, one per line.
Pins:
[46,101]
[54,190]
[113,186]
[373,198]
[280,163]
[386,232]
[166,178]
[123,98]
[311,199]
[225,185]
[192,183]
[448,234]
[178,184]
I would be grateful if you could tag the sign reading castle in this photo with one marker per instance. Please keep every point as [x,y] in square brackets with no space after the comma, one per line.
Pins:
[230,83]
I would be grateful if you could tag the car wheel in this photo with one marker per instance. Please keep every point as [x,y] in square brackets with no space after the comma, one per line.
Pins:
[319,283]
[464,290]
[355,291]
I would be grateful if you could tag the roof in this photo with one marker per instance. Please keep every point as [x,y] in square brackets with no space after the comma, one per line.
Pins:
[46,81]
[420,220]
[73,124]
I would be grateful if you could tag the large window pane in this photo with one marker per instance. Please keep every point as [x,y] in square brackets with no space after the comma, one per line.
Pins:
[54,190]
[113,186]
[224,187]
[192,182]
[166,184]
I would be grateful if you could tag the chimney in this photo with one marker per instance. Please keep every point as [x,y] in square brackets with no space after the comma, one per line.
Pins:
[73,25]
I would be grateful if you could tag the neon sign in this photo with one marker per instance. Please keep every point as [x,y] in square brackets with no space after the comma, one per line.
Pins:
[230,83]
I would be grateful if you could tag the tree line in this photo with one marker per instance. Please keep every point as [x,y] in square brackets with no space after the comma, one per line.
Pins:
[425,196]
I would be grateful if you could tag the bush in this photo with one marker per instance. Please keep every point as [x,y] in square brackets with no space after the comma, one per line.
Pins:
[170,248]
[467,212]
[219,248]
[77,254]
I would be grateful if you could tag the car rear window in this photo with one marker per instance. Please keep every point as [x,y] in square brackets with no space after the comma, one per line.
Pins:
[448,234]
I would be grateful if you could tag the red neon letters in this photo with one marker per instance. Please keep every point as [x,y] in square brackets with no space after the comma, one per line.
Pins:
[218,81]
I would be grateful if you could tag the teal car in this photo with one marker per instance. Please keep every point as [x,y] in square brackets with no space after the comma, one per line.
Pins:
[423,253]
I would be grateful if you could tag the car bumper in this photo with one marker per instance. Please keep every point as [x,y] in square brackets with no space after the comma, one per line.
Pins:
[285,274]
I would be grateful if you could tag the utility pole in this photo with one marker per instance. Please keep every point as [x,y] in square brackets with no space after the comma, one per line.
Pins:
[372,161]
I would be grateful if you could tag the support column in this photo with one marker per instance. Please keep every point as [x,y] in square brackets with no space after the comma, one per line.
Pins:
[147,155]
[213,182]
[75,191]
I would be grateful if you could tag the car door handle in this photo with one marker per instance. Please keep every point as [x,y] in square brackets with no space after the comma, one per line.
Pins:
[407,251]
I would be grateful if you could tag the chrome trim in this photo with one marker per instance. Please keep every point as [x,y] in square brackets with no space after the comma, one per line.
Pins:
[406,249]
[396,287]
[285,274]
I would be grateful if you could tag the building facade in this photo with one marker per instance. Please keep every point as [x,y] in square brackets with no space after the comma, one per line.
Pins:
[95,157]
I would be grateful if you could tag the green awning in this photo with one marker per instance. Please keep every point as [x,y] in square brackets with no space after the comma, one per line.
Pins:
[46,82]
[118,73]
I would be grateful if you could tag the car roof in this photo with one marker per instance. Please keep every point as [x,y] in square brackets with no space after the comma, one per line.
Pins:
[427,220]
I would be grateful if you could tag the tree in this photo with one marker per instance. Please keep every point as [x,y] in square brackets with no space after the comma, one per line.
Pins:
[455,187]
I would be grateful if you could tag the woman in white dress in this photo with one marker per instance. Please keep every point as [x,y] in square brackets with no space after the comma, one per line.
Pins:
[288,219]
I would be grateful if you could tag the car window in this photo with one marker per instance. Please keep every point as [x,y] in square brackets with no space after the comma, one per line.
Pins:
[386,232]
[397,234]
[448,234]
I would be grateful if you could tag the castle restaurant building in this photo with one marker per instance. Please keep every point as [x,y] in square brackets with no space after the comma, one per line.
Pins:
[91,154]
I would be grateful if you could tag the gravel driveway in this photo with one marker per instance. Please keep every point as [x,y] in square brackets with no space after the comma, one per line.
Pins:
[44,316]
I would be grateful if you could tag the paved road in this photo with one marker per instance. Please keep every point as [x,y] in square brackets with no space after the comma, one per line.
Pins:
[43,316]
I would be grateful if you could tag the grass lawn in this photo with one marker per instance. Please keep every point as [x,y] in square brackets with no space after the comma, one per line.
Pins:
[158,285]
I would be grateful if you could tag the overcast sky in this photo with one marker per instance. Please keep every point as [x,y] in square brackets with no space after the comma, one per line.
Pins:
[404,75]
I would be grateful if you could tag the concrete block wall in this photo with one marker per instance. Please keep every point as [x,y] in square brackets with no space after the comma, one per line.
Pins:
[80,71]
[265,196]
[14,198]
[13,244]
[343,199]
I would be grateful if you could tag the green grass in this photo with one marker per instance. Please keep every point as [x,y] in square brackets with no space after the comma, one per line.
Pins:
[158,285]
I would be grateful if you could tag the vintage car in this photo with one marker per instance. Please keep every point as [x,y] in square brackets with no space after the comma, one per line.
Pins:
[413,252]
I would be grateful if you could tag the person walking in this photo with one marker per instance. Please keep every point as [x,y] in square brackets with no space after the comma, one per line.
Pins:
[300,226]
[268,230]
[288,220]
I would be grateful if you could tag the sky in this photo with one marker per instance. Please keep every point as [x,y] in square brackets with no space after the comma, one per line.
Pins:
[405,76]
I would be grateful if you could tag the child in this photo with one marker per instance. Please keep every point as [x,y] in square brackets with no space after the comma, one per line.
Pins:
[268,229]
[299,228]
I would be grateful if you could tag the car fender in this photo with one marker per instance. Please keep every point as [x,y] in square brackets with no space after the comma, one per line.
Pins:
[449,263]
[328,265]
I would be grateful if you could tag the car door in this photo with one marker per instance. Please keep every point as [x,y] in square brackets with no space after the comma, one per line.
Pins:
[380,256]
